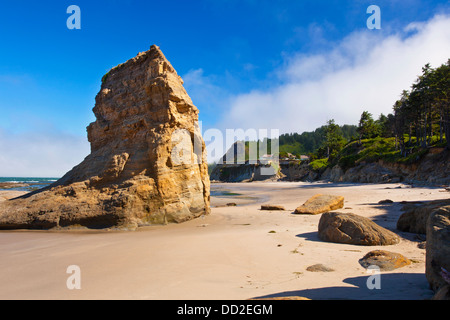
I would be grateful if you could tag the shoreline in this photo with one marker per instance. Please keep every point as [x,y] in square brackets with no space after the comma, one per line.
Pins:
[237,252]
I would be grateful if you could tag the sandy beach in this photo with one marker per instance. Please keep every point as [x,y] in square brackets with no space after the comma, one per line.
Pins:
[237,252]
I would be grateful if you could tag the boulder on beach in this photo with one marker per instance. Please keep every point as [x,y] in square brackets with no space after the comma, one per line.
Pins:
[353,229]
[385,260]
[438,248]
[147,163]
[320,203]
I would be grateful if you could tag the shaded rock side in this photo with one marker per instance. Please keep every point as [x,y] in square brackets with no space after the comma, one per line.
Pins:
[415,217]
[244,173]
[272,207]
[349,228]
[443,293]
[320,203]
[147,163]
[438,247]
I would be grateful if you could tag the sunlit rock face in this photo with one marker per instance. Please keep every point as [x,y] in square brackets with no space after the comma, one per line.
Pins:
[147,163]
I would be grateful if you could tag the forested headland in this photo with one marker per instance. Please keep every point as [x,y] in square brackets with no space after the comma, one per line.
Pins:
[420,119]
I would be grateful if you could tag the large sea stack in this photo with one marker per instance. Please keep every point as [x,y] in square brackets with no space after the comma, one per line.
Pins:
[147,163]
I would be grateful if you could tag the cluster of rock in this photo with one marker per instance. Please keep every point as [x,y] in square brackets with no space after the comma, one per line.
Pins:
[432,169]
[432,218]
[147,163]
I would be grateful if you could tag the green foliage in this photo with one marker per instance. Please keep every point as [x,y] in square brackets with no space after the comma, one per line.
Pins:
[420,118]
[412,157]
[319,164]
[334,140]
[424,111]
[379,148]
[310,142]
[105,76]
[294,148]
[367,127]
[348,157]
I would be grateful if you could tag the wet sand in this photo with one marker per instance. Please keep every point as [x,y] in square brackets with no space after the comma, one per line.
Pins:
[237,252]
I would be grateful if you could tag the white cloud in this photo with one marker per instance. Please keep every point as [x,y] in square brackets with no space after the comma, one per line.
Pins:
[203,90]
[365,71]
[45,154]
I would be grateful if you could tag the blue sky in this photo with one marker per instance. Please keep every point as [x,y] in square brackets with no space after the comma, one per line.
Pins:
[240,59]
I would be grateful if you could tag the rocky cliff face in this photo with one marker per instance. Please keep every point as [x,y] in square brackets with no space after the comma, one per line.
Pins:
[244,173]
[233,167]
[433,168]
[147,163]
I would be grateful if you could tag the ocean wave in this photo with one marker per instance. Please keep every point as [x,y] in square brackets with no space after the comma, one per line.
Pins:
[28,180]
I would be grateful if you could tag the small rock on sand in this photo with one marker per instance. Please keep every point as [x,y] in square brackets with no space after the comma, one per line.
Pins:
[272,207]
[319,268]
[385,260]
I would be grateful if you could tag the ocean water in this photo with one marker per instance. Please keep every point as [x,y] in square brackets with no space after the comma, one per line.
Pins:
[34,183]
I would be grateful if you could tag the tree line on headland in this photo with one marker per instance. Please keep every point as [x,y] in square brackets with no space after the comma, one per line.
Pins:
[420,118]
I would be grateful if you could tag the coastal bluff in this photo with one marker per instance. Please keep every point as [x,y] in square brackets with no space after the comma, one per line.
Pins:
[432,169]
[147,163]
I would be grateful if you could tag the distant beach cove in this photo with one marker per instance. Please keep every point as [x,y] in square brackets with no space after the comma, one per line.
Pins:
[24,183]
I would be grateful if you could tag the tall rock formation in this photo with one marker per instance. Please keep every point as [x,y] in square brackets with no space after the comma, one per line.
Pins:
[147,163]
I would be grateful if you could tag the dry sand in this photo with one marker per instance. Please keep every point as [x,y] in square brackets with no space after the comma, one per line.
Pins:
[236,252]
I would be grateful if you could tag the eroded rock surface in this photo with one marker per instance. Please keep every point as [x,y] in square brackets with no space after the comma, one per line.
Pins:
[320,203]
[415,217]
[353,229]
[438,248]
[147,163]
[385,260]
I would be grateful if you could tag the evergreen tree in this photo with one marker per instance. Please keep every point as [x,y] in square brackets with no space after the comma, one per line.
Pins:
[334,140]
[366,127]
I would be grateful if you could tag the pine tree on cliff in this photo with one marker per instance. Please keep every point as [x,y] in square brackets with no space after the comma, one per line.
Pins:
[334,140]
[441,91]
[366,127]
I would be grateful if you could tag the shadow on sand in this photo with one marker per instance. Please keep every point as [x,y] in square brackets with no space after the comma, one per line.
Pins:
[393,286]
